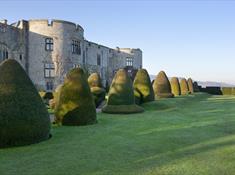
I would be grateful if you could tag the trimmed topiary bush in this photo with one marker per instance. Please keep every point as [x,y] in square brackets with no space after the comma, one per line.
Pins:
[175,86]
[121,98]
[143,87]
[184,87]
[195,87]
[23,116]
[226,90]
[97,89]
[190,85]
[161,86]
[74,103]
[233,91]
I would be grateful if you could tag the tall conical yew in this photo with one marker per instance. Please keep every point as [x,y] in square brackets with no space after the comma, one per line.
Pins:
[184,87]
[23,116]
[74,104]
[190,85]
[94,81]
[161,86]
[143,87]
[121,95]
[175,86]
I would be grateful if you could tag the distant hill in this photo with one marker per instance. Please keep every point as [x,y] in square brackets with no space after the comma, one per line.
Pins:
[205,83]
[211,83]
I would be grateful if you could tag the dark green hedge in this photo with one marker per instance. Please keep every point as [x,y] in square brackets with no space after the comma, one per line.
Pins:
[23,116]
[161,86]
[195,87]
[121,94]
[143,87]
[74,101]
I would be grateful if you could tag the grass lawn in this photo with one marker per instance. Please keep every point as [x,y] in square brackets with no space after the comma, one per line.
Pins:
[184,135]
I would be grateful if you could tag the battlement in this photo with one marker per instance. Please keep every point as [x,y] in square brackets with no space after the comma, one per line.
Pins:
[55,22]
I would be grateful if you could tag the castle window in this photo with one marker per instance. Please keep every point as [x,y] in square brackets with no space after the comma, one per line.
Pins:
[49,86]
[49,44]
[3,54]
[20,57]
[76,49]
[2,28]
[129,61]
[84,57]
[98,59]
[49,70]
[75,66]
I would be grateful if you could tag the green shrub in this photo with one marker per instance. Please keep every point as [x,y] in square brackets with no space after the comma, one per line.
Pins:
[233,91]
[227,90]
[23,116]
[161,86]
[121,95]
[195,87]
[97,89]
[74,102]
[94,80]
[184,87]
[175,86]
[190,85]
[143,87]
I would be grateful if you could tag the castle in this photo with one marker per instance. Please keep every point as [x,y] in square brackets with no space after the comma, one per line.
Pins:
[47,50]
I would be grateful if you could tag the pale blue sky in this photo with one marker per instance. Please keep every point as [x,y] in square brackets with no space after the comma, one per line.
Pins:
[185,38]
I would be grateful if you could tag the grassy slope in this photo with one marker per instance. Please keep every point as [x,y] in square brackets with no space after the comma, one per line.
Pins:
[185,135]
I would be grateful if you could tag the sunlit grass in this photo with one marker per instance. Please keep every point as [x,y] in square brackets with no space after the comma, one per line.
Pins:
[186,135]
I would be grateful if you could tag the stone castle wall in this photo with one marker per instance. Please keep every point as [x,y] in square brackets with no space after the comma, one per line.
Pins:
[25,41]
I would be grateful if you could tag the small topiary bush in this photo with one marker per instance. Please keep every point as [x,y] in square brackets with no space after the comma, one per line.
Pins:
[190,85]
[121,98]
[23,116]
[97,89]
[227,90]
[161,86]
[195,87]
[175,86]
[143,87]
[233,91]
[74,103]
[184,87]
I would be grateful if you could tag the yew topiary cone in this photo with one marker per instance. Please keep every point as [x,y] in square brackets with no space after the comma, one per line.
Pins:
[74,103]
[23,116]
[184,87]
[143,87]
[97,89]
[190,86]
[175,86]
[161,86]
[121,98]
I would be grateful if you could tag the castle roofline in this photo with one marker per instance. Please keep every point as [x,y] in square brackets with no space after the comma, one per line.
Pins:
[50,22]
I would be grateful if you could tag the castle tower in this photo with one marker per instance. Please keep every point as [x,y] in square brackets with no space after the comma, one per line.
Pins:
[54,48]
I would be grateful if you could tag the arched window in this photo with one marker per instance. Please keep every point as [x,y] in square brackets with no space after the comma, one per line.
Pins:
[3,52]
